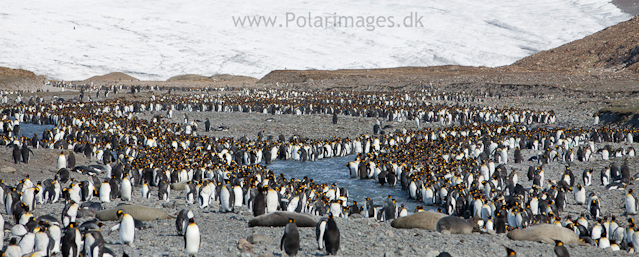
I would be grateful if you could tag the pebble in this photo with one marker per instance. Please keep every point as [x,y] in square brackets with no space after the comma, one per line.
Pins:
[8,170]
[244,245]
[258,238]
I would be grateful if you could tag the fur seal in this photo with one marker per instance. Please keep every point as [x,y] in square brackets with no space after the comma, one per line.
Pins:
[546,233]
[138,212]
[424,220]
[280,219]
[454,225]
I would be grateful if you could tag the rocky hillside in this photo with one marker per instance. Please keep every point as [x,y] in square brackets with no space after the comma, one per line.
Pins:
[18,79]
[607,61]
[113,76]
[214,78]
[615,48]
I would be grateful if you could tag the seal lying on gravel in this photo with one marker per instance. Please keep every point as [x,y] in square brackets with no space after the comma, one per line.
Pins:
[545,233]
[280,219]
[138,212]
[424,220]
[454,225]
[178,186]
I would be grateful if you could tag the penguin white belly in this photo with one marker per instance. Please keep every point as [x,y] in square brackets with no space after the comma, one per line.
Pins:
[580,196]
[125,190]
[225,199]
[353,168]
[127,229]
[413,190]
[145,191]
[27,243]
[635,238]
[631,207]
[56,235]
[271,202]
[13,251]
[18,230]
[604,243]
[27,199]
[41,242]
[596,233]
[489,225]
[618,235]
[321,228]
[105,193]
[88,242]
[292,205]
[2,226]
[192,237]
[75,195]
[428,197]
[72,213]
[62,162]
[204,199]
[238,196]
[336,209]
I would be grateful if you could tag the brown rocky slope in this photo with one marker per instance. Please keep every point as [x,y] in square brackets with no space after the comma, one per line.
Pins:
[615,48]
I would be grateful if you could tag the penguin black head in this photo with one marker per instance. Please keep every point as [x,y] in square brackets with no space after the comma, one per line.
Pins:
[291,220]
[120,213]
[510,252]
[558,242]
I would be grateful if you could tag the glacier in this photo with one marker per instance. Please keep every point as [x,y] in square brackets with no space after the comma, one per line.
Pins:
[155,40]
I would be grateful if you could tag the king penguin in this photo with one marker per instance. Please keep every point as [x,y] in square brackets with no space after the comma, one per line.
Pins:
[126,227]
[181,221]
[320,230]
[43,242]
[560,249]
[71,160]
[227,199]
[94,244]
[191,238]
[105,192]
[146,191]
[25,151]
[290,242]
[125,189]
[331,236]
[259,204]
[17,155]
[580,195]
[62,161]
[631,203]
[71,241]
[13,249]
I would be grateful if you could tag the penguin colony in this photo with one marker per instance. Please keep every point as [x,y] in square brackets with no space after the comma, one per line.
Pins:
[460,168]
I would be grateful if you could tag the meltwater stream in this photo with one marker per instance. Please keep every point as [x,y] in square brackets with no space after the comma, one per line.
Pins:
[28,129]
[334,170]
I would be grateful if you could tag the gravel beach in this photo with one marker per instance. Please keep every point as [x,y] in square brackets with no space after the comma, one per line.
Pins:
[223,233]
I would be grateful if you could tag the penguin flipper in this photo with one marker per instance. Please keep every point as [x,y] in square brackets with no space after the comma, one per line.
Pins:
[116,227]
[283,238]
